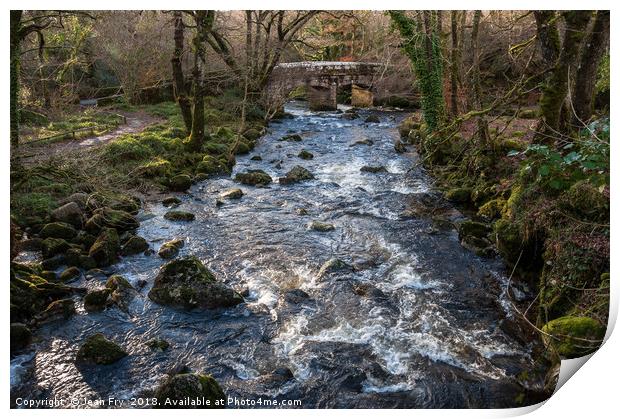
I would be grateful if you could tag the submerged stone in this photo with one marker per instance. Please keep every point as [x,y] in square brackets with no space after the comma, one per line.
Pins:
[333,265]
[291,137]
[305,155]
[373,169]
[158,344]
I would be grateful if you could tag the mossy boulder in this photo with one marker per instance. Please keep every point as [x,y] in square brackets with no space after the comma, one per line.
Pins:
[305,155]
[171,201]
[158,344]
[509,239]
[156,168]
[56,310]
[254,178]
[52,247]
[180,387]
[234,193]
[29,294]
[176,215]
[105,249]
[215,148]
[58,230]
[252,134]
[134,245]
[410,123]
[212,166]
[100,350]
[471,228]
[21,336]
[70,274]
[171,249]
[97,300]
[295,175]
[320,226]
[85,239]
[70,213]
[588,201]
[186,283]
[573,336]
[180,183]
[122,292]
[334,265]
[459,195]
[365,141]
[108,217]
[76,257]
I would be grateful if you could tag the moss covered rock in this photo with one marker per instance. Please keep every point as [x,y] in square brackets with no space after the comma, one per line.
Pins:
[212,166]
[171,201]
[105,249]
[333,265]
[122,292]
[56,310]
[58,230]
[295,175]
[70,213]
[97,300]
[111,218]
[459,195]
[186,283]
[372,119]
[134,245]
[254,178]
[586,200]
[252,134]
[155,168]
[177,389]
[70,274]
[291,137]
[492,209]
[176,215]
[52,247]
[171,249]
[100,350]
[21,336]
[509,240]
[410,123]
[305,155]
[573,336]
[158,344]
[180,183]
[471,228]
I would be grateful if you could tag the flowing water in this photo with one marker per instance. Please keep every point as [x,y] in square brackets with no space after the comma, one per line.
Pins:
[417,322]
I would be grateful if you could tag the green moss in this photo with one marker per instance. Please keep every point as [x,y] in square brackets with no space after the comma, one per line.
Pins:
[32,208]
[126,148]
[492,209]
[254,177]
[100,350]
[212,166]
[216,148]
[108,217]
[58,231]
[170,249]
[134,245]
[193,386]
[572,336]
[410,123]
[587,201]
[510,209]
[69,274]
[96,300]
[459,195]
[104,250]
[155,168]
[52,246]
[473,228]
[180,183]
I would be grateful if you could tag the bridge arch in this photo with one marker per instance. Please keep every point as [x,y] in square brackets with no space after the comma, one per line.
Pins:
[323,78]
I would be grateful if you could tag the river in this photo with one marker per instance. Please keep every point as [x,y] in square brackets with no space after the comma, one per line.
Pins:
[417,321]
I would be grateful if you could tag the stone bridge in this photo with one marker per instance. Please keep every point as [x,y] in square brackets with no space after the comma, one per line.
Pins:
[322,79]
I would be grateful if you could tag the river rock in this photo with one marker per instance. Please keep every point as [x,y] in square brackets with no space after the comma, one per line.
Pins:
[234,193]
[254,178]
[256,158]
[373,169]
[58,230]
[134,245]
[350,115]
[186,283]
[21,336]
[176,215]
[52,247]
[53,262]
[471,228]
[171,249]
[458,195]
[176,390]
[305,155]
[121,291]
[171,201]
[158,344]
[291,137]
[100,350]
[365,141]
[400,147]
[97,300]
[180,183]
[372,119]
[105,249]
[70,213]
[295,175]
[70,274]
[56,310]
[320,226]
[108,217]
[333,265]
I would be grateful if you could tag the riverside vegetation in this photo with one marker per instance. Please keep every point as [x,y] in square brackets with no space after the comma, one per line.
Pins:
[530,174]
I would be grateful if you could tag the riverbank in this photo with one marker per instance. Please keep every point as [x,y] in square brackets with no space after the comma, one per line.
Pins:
[546,213]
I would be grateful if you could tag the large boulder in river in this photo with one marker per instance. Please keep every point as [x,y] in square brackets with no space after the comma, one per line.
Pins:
[58,230]
[105,249]
[295,175]
[254,178]
[108,217]
[186,283]
[177,389]
[180,183]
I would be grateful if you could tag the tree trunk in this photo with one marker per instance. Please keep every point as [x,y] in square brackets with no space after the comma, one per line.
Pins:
[16,17]
[483,127]
[585,81]
[178,79]
[554,93]
[548,36]
[454,65]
